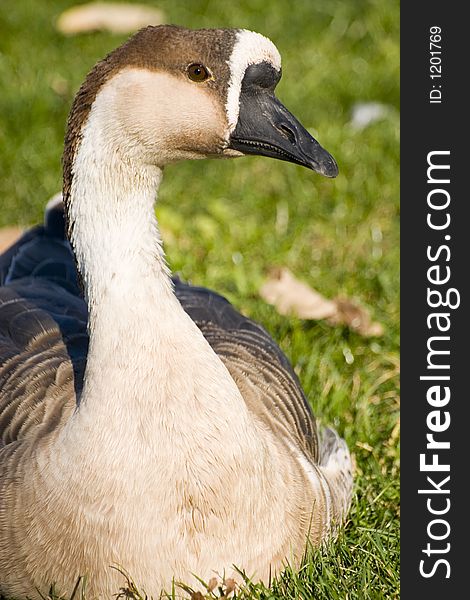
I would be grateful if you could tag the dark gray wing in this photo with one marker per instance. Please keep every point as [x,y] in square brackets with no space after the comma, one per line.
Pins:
[42,253]
[43,339]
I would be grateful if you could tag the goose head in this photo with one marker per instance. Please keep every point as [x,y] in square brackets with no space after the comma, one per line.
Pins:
[170,94]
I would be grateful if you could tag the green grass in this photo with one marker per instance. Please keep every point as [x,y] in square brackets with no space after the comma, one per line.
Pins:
[226,223]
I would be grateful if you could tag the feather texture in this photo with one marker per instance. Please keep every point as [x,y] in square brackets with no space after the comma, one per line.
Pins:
[42,303]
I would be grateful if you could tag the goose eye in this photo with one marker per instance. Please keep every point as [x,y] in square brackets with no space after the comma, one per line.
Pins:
[197,72]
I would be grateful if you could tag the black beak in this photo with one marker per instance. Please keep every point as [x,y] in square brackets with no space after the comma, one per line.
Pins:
[267,128]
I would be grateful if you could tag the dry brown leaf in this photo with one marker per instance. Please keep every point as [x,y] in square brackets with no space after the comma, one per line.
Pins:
[111,16]
[293,297]
[9,235]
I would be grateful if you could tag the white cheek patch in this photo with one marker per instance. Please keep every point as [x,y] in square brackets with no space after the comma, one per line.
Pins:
[250,48]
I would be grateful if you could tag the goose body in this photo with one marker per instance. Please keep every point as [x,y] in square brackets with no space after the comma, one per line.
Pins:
[145,423]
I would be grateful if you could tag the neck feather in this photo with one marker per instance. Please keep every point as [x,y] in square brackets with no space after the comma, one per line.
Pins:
[148,362]
[111,217]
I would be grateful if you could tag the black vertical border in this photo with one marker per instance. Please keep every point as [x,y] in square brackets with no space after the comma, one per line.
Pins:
[427,127]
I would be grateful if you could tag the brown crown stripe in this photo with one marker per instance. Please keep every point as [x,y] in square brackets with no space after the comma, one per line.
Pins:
[168,47]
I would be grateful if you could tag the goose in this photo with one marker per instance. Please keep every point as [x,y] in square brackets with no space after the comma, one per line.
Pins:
[145,423]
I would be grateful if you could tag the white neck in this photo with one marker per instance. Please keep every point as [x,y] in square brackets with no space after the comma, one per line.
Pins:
[149,369]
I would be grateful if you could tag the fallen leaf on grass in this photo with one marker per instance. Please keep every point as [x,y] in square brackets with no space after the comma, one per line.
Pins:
[293,297]
[9,235]
[110,16]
